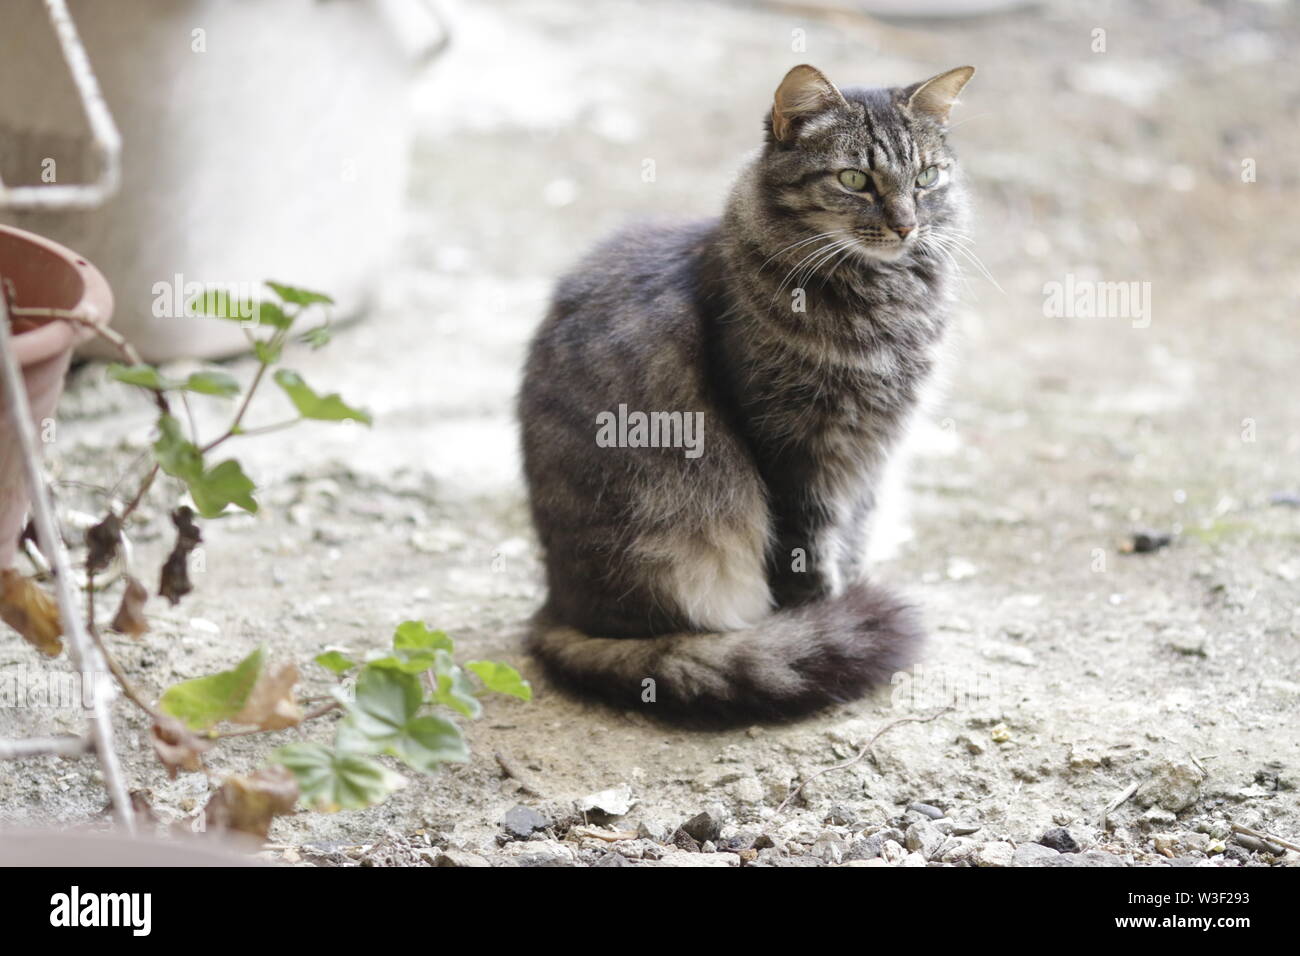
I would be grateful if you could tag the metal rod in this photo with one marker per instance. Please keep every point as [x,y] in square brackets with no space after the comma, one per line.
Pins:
[103,131]
[67,746]
[84,655]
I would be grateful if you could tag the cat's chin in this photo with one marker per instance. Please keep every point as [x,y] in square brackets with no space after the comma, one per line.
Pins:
[885,253]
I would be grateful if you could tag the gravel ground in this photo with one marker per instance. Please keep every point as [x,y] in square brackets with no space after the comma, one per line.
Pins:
[1091,696]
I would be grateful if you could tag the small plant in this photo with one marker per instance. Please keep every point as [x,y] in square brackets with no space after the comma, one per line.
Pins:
[398,703]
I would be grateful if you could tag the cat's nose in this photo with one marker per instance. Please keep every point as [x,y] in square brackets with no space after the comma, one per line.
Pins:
[902,228]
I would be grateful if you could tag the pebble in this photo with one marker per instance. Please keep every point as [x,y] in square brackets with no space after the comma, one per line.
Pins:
[1172,784]
[934,813]
[1059,839]
[613,802]
[706,825]
[925,838]
[997,853]
[521,822]
[459,858]
[1032,854]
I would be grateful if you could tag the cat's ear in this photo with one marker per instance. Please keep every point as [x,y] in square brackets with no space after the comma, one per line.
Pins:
[803,93]
[935,97]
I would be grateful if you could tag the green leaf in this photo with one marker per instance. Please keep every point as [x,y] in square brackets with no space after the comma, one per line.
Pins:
[266,352]
[211,383]
[327,408]
[288,293]
[330,780]
[428,742]
[211,488]
[416,636]
[177,455]
[414,649]
[318,337]
[219,303]
[205,701]
[454,689]
[502,678]
[383,718]
[334,661]
[226,484]
[270,314]
[146,376]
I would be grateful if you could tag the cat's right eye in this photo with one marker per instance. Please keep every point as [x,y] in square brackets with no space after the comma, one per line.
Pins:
[854,179]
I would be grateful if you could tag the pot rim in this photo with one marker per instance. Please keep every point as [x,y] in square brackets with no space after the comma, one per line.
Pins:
[55,336]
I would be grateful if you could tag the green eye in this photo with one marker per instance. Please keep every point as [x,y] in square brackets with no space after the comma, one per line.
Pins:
[854,179]
[929,176]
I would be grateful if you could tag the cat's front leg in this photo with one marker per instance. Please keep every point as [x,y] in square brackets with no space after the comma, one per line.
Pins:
[803,557]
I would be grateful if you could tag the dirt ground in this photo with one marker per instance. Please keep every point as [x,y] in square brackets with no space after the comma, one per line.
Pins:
[1072,671]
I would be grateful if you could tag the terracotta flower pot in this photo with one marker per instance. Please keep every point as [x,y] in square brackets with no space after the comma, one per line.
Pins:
[44,275]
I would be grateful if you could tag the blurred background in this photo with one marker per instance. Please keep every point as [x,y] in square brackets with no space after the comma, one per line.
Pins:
[439,175]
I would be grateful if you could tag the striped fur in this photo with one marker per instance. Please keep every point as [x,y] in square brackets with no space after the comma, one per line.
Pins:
[732,581]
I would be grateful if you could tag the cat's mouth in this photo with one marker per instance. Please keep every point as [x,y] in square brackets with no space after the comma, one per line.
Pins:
[885,249]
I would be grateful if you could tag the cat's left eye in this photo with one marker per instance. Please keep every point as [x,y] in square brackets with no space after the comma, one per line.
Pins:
[929,176]
[854,179]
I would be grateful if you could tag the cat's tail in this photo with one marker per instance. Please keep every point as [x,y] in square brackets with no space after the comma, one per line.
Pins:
[791,664]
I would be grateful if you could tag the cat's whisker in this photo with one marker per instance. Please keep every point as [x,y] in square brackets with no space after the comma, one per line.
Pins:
[796,245]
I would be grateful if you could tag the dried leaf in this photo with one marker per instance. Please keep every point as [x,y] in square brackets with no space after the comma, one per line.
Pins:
[30,611]
[271,704]
[174,582]
[130,617]
[177,747]
[101,542]
[248,804]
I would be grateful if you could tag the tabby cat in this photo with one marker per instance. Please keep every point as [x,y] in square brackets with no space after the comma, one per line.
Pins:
[709,408]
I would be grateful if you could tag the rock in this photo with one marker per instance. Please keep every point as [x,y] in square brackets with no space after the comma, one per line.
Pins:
[925,838]
[521,822]
[682,858]
[996,853]
[1173,784]
[840,816]
[540,853]
[1032,854]
[706,825]
[1059,839]
[612,859]
[867,848]
[957,850]
[1008,653]
[684,841]
[872,862]
[1144,542]
[829,848]
[974,743]
[892,852]
[459,858]
[613,802]
[1087,858]
[748,791]
[654,830]
[925,809]
[913,859]
[743,840]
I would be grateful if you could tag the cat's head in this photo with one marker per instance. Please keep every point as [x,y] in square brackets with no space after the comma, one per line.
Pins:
[870,165]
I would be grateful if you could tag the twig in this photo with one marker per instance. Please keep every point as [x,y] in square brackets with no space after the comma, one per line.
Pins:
[861,753]
[85,657]
[1115,804]
[66,746]
[510,770]
[310,715]
[1260,835]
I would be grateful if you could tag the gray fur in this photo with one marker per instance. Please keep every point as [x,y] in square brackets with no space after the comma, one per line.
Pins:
[685,571]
